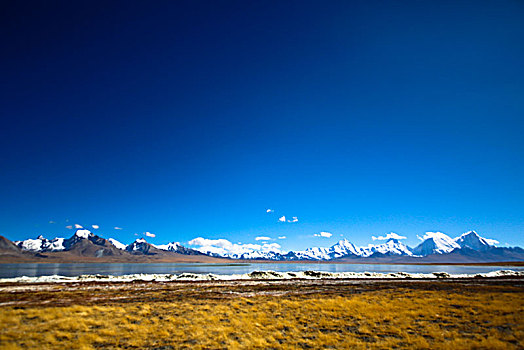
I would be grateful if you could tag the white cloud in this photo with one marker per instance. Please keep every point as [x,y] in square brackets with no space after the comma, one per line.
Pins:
[323,234]
[283,219]
[69,227]
[78,226]
[270,247]
[282,237]
[270,211]
[224,247]
[52,222]
[96,227]
[200,241]
[391,235]
[263,238]
[118,228]
[149,234]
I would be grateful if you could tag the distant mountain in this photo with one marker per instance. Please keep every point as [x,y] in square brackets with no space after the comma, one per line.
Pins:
[344,248]
[473,241]
[140,246]
[172,246]
[392,246]
[81,236]
[341,249]
[178,248]
[435,243]
[8,248]
[93,247]
[84,243]
[41,244]
[436,247]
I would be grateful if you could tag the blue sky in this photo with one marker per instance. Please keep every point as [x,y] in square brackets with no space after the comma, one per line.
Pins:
[190,119]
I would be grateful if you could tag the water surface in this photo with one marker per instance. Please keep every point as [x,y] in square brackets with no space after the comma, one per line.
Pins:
[72,270]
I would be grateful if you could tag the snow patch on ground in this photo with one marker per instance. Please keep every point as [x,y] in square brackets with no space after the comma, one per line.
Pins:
[257,275]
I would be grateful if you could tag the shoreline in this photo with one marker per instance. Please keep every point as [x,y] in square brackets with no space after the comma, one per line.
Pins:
[261,276]
[243,262]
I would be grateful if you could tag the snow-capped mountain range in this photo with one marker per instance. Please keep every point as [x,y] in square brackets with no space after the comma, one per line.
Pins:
[433,244]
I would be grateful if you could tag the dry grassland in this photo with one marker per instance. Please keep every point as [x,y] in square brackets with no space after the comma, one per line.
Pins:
[264,315]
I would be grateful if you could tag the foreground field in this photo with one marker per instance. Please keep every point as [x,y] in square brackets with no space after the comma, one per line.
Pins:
[264,314]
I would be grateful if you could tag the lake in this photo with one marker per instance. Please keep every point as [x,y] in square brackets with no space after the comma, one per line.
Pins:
[71,270]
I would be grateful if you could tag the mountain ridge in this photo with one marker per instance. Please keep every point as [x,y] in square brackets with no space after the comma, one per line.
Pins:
[85,246]
[435,247]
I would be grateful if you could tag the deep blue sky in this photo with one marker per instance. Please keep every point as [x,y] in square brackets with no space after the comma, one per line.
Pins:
[192,118]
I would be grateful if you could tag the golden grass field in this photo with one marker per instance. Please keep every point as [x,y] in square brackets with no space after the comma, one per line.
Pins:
[264,315]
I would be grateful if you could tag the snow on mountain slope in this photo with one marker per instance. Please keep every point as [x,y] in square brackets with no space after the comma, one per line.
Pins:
[473,241]
[83,233]
[138,245]
[344,248]
[55,245]
[79,235]
[41,244]
[173,246]
[339,249]
[435,243]
[256,254]
[391,246]
[117,244]
[314,253]
[34,245]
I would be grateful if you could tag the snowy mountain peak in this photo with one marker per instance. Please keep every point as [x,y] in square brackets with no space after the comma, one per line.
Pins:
[343,243]
[472,240]
[469,233]
[173,246]
[34,245]
[436,243]
[83,233]
[314,253]
[392,246]
[139,245]
[41,244]
[343,248]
